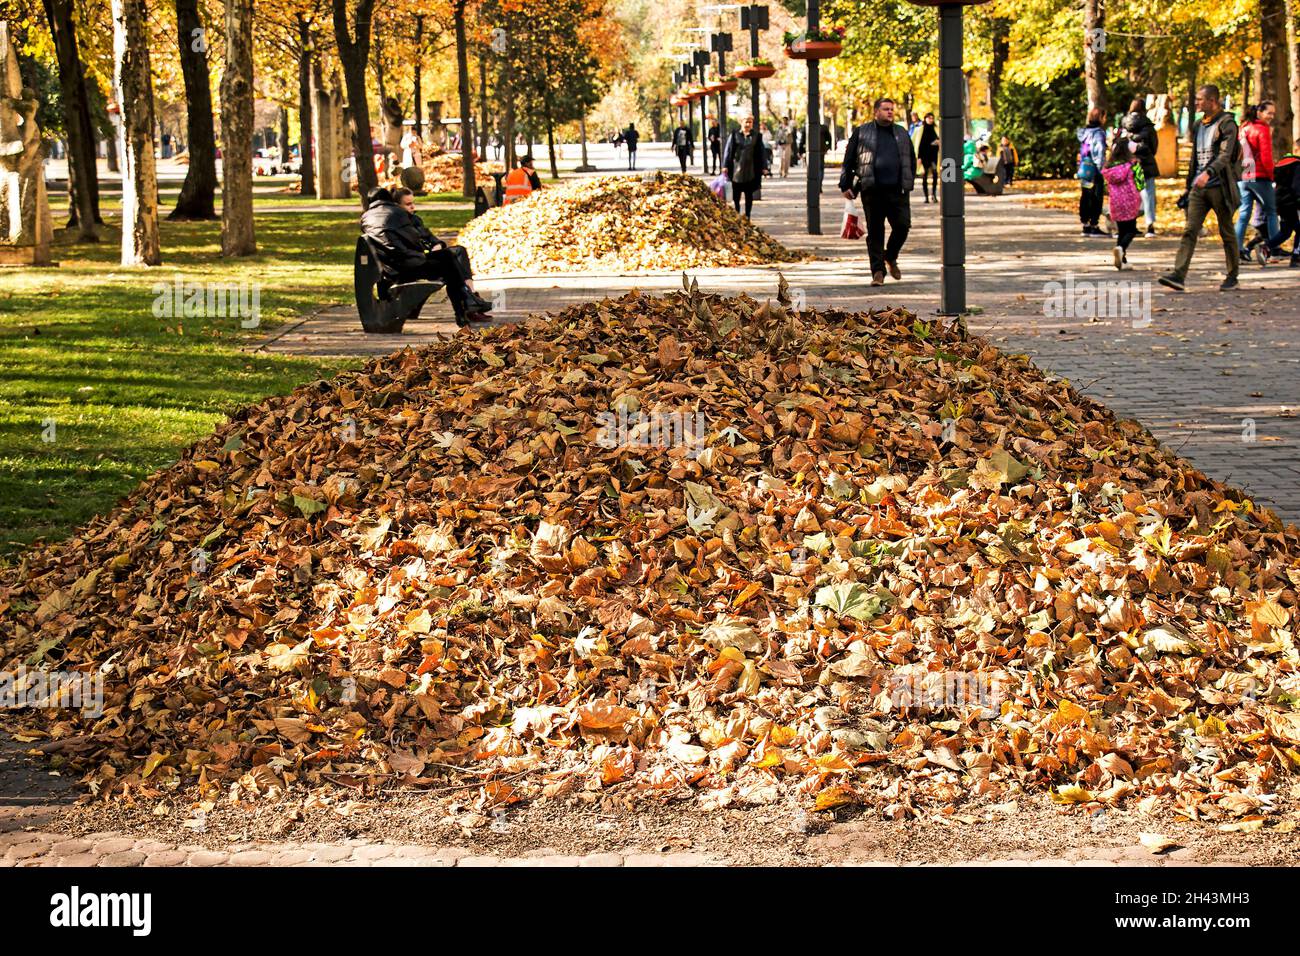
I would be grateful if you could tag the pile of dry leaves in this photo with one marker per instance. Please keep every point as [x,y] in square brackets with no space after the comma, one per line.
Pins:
[619,224]
[673,545]
[443,173]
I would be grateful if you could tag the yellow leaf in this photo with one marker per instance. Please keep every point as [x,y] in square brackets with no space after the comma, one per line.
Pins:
[833,797]
[1072,794]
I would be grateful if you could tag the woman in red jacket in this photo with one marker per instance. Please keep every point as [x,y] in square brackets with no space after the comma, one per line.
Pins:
[1256,171]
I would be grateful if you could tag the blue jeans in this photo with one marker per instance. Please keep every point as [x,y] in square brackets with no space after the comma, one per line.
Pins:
[1149,202]
[1258,191]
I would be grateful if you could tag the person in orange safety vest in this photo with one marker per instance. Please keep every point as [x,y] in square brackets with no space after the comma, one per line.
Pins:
[522,181]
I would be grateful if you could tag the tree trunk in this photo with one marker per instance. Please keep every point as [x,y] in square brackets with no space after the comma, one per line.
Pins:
[508,115]
[284,134]
[998,62]
[550,144]
[482,108]
[353,54]
[1094,56]
[462,88]
[418,66]
[1292,11]
[134,84]
[237,238]
[1273,65]
[197,199]
[306,50]
[83,177]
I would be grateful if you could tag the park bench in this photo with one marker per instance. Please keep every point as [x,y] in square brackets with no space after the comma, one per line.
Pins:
[385,306]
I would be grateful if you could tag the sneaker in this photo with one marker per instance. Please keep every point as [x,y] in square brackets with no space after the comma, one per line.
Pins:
[1261,254]
[1172,282]
[1125,266]
[893,270]
[1295,262]
[1087,230]
[877,278]
[1151,232]
[1228,284]
[1118,255]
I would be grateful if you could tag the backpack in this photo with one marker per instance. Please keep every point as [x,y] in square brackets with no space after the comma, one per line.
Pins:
[682,138]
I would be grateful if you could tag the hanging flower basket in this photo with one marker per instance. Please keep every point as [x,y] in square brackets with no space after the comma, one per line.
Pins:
[728,85]
[814,49]
[696,93]
[755,71]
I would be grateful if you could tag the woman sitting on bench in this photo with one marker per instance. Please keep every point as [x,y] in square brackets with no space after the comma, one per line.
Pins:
[399,244]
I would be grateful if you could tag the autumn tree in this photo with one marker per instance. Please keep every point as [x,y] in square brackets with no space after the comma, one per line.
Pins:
[133,81]
[353,42]
[198,192]
[83,176]
[237,235]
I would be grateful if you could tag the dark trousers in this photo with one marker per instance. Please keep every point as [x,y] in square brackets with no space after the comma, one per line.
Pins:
[1090,202]
[631,157]
[881,206]
[929,175]
[1288,225]
[444,266]
[683,153]
[747,190]
[1200,203]
[1125,232]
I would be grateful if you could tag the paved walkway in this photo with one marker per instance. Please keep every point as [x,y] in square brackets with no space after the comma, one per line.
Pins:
[1213,375]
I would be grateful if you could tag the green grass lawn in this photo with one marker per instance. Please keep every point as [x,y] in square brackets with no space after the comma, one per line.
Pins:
[81,347]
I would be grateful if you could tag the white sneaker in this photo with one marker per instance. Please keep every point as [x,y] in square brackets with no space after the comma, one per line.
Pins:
[1118,256]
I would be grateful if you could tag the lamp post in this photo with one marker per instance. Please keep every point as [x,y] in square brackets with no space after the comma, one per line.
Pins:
[814,134]
[721,45]
[952,199]
[753,18]
[701,58]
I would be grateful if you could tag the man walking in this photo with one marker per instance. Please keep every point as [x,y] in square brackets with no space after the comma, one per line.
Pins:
[1211,186]
[880,166]
[631,136]
[683,143]
[785,143]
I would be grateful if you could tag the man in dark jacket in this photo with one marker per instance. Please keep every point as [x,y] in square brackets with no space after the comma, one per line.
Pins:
[880,166]
[1211,187]
[1142,132]
[683,144]
[402,255]
[631,137]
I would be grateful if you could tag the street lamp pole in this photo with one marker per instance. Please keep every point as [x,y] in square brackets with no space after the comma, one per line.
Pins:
[952,198]
[721,43]
[702,62]
[754,18]
[814,134]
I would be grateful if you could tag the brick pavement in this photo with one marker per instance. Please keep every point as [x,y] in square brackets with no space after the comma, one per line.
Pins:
[1213,375]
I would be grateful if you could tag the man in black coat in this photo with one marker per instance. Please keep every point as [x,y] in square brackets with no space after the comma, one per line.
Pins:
[1142,132]
[403,256]
[880,166]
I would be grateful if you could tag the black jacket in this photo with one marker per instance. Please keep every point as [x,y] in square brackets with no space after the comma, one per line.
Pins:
[928,149]
[690,138]
[395,236]
[1142,132]
[858,174]
[735,160]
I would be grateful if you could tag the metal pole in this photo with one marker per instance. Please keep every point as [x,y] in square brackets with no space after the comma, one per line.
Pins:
[722,94]
[704,120]
[814,134]
[753,52]
[952,199]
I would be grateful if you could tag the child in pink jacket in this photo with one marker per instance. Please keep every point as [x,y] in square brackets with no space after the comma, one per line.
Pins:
[1124,182]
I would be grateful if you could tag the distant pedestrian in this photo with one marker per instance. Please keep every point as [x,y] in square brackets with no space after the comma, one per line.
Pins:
[683,143]
[1008,160]
[714,148]
[785,145]
[1092,157]
[744,160]
[1286,178]
[630,136]
[1124,180]
[1211,187]
[927,153]
[880,167]
[1137,126]
[1256,185]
